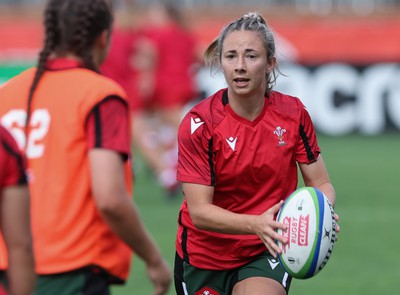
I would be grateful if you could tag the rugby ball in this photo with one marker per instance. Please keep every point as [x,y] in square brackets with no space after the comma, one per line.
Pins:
[311,232]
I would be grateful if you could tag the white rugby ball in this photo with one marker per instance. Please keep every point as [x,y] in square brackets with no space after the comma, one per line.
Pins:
[311,232]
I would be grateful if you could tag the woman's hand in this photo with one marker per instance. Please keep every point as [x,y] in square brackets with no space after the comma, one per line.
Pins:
[337,229]
[266,226]
[160,275]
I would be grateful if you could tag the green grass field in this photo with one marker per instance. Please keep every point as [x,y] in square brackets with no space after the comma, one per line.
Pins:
[365,260]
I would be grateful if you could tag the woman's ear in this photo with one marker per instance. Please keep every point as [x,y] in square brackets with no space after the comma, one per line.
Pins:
[271,65]
[101,47]
[104,39]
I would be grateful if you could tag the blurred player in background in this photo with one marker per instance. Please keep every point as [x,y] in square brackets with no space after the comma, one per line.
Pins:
[161,82]
[238,151]
[117,65]
[17,274]
[77,123]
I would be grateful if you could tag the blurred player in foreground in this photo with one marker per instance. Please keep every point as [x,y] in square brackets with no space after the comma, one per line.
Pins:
[77,142]
[17,274]
[238,156]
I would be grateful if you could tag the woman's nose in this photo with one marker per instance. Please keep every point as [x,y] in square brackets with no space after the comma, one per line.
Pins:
[240,65]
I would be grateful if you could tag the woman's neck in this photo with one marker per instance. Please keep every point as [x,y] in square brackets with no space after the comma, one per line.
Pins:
[66,55]
[248,107]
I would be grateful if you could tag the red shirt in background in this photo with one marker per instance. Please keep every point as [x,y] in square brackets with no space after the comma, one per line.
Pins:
[176,55]
[118,64]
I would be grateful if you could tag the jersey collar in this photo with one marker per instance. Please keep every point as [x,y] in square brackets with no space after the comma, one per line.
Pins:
[225,102]
[59,64]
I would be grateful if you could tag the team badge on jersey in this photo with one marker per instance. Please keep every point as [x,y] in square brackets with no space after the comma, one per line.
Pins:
[194,124]
[280,132]
[206,291]
[232,142]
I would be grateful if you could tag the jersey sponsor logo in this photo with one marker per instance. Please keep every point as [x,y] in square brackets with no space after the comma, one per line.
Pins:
[206,291]
[280,133]
[195,124]
[273,263]
[232,142]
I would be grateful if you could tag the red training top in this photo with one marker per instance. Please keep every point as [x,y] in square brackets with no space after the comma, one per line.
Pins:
[252,166]
[12,172]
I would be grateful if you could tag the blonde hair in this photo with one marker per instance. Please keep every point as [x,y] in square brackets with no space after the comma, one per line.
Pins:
[251,21]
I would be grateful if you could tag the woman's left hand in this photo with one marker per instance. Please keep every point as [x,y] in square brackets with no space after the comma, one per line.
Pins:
[337,229]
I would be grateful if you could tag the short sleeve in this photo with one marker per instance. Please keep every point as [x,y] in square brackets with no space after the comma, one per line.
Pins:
[195,156]
[12,162]
[307,145]
[108,126]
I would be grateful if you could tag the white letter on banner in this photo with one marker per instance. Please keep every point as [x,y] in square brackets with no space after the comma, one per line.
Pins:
[329,79]
[393,107]
[371,111]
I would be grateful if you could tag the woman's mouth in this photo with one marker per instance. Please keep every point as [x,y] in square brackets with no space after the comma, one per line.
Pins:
[241,82]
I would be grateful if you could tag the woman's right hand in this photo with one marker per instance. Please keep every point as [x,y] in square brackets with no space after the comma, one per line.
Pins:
[266,226]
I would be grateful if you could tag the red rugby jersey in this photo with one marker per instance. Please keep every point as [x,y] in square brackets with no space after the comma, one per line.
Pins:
[252,166]
[12,172]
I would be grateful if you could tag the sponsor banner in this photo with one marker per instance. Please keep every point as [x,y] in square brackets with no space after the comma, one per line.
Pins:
[20,40]
[341,98]
[309,41]
[313,41]
[344,99]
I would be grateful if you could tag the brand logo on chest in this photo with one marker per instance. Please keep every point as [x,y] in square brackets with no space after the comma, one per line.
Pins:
[195,123]
[232,142]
